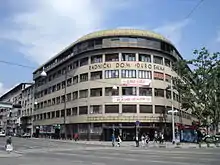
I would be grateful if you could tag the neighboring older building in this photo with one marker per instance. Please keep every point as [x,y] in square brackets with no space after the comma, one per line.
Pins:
[10,117]
[27,109]
[113,80]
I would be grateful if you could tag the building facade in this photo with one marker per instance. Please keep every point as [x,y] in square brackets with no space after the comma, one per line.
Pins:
[27,109]
[109,81]
[11,117]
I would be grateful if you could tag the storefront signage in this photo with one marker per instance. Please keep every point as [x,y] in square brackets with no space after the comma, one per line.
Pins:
[123,118]
[135,82]
[127,65]
[131,99]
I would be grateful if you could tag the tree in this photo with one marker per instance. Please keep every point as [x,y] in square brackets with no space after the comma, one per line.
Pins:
[198,88]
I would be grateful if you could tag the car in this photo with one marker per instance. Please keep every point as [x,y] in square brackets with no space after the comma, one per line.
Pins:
[26,135]
[2,134]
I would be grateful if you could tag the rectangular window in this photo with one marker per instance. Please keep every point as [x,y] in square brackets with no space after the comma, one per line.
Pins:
[111,74]
[144,57]
[95,109]
[111,108]
[96,92]
[74,111]
[69,82]
[158,60]
[58,100]
[168,94]
[146,109]
[144,74]
[68,112]
[128,74]
[58,113]
[58,86]
[128,57]
[159,109]
[129,91]
[75,80]
[83,110]
[75,64]
[75,95]
[96,59]
[109,91]
[158,76]
[129,108]
[84,77]
[83,93]
[159,92]
[84,61]
[167,78]
[68,97]
[111,57]
[63,84]
[96,75]
[145,91]
[167,62]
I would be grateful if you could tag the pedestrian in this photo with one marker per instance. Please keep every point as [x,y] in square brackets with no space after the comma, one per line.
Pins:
[137,140]
[119,141]
[113,140]
[143,140]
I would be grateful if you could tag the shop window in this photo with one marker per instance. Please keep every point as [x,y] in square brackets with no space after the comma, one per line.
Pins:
[128,74]
[96,75]
[129,108]
[144,74]
[111,57]
[158,92]
[83,110]
[96,59]
[96,92]
[158,76]
[158,60]
[145,91]
[128,57]
[144,57]
[83,93]
[111,108]
[146,109]
[129,91]
[84,77]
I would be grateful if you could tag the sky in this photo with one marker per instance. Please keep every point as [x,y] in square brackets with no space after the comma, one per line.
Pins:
[33,31]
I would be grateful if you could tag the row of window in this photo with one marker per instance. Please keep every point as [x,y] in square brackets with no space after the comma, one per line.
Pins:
[98,92]
[98,109]
[142,74]
[99,59]
[112,42]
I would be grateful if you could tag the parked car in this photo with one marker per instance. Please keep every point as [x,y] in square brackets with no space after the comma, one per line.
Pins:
[26,135]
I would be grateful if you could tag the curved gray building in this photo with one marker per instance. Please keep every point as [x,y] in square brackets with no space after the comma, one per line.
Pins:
[113,80]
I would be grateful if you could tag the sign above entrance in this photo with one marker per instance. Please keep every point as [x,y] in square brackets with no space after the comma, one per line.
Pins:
[127,65]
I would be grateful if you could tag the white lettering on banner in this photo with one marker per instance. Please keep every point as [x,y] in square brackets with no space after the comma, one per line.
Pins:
[130,99]
[135,82]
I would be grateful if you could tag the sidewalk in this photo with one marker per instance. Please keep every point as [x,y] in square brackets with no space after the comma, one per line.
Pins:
[132,144]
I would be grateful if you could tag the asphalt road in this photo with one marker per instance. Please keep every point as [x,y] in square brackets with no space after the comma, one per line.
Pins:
[41,151]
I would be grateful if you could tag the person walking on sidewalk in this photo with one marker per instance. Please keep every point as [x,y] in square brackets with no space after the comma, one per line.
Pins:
[119,141]
[113,140]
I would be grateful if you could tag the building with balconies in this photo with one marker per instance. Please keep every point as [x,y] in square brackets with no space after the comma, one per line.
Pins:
[109,81]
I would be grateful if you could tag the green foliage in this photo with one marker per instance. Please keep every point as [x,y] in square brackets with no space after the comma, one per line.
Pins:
[199,88]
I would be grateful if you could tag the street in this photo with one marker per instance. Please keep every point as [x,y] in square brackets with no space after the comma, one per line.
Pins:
[48,152]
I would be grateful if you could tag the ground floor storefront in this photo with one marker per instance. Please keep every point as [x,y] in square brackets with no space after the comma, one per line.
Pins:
[104,131]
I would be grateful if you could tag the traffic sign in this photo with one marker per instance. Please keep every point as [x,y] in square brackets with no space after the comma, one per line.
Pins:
[137,122]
